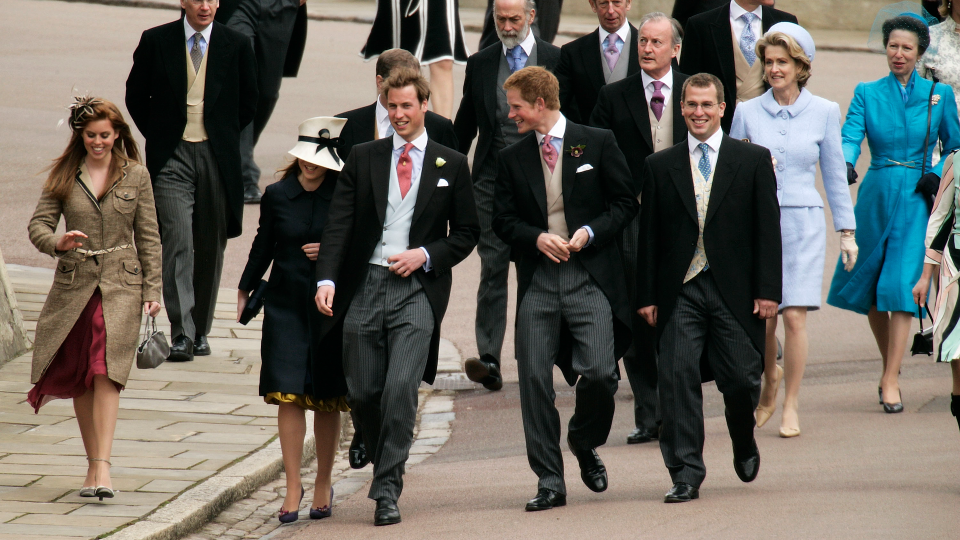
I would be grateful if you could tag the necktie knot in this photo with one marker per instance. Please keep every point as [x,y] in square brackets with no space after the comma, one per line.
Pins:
[549,152]
[748,17]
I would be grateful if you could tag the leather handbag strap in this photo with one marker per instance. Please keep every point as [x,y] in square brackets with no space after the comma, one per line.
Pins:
[920,314]
[926,139]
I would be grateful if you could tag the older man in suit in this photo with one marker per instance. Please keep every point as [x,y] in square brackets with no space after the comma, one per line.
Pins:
[401,218]
[723,42]
[604,56]
[709,276]
[484,107]
[653,122]
[544,26]
[563,196]
[191,90]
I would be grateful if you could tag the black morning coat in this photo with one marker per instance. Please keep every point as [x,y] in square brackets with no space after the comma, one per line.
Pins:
[581,75]
[298,39]
[478,108]
[601,197]
[157,101]
[708,48]
[361,122]
[355,225]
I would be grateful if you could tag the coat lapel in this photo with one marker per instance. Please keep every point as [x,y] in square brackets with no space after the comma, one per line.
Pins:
[175,62]
[637,103]
[488,85]
[590,56]
[530,165]
[429,176]
[634,58]
[723,41]
[217,52]
[380,161]
[679,124]
[727,168]
[683,180]
[574,136]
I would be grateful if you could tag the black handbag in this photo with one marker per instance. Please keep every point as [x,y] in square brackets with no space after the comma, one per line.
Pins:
[254,304]
[923,340]
[929,183]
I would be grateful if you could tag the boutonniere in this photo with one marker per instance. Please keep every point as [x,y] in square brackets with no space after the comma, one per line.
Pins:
[440,162]
[576,151]
[934,99]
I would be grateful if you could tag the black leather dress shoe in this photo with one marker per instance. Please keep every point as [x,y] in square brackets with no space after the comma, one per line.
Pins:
[252,195]
[681,492]
[592,471]
[358,453]
[545,500]
[181,350]
[201,347]
[483,372]
[747,461]
[642,435]
[387,513]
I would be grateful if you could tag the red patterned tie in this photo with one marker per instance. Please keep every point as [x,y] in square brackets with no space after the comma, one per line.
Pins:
[405,169]
[549,152]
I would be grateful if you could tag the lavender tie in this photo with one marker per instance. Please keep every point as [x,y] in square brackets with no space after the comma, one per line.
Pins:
[610,51]
[656,101]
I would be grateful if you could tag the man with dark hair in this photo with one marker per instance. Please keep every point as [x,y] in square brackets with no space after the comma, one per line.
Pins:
[401,218]
[709,276]
[563,196]
[484,107]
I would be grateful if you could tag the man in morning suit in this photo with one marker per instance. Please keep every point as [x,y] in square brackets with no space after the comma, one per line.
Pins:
[191,90]
[370,123]
[277,29]
[484,107]
[563,196]
[723,42]
[387,255]
[544,26]
[709,276]
[643,111]
[604,56]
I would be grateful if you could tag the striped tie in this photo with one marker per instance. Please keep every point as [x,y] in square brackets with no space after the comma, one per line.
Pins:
[195,53]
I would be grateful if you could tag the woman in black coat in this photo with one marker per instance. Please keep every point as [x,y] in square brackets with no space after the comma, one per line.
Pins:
[298,372]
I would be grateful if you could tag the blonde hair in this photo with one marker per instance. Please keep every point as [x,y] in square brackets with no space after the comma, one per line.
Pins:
[779,39]
[535,82]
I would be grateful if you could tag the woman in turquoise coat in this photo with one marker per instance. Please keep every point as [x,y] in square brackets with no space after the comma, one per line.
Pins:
[891,217]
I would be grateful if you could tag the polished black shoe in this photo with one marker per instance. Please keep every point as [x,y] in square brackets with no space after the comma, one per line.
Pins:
[747,461]
[358,453]
[681,492]
[642,435]
[201,347]
[483,372]
[181,350]
[592,471]
[545,500]
[252,195]
[387,513]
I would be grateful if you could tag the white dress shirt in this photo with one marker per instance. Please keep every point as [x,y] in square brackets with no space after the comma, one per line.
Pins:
[713,148]
[204,35]
[384,127]
[557,132]
[737,24]
[526,44]
[666,90]
[623,32]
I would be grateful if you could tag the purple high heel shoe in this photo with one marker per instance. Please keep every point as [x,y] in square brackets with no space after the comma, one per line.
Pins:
[287,516]
[323,511]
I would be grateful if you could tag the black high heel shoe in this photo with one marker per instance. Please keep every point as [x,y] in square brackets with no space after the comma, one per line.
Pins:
[892,408]
[289,516]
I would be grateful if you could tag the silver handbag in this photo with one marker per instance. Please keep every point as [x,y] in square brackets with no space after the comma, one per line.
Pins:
[154,349]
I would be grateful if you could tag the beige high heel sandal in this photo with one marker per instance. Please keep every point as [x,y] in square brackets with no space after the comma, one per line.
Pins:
[102,491]
[764,413]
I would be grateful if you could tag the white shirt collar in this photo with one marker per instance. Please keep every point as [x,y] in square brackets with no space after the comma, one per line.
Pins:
[556,131]
[713,142]
[736,11]
[623,32]
[189,31]
[420,143]
[383,119]
[526,44]
[667,79]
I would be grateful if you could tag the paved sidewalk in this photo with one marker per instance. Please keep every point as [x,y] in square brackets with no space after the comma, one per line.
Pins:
[191,439]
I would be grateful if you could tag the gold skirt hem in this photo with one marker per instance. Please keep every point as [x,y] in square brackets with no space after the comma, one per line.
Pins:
[337,404]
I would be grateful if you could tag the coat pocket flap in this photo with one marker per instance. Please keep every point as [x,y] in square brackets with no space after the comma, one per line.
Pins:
[131,267]
[126,194]
[66,266]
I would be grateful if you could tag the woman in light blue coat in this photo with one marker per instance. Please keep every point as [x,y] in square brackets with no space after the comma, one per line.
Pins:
[800,130]
[891,217]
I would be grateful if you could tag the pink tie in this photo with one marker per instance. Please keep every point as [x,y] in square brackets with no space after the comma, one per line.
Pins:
[405,169]
[610,51]
[549,152]
[656,101]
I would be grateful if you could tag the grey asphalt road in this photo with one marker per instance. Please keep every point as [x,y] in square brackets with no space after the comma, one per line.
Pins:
[854,473]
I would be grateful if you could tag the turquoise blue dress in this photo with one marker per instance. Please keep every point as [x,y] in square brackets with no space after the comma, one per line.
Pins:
[891,217]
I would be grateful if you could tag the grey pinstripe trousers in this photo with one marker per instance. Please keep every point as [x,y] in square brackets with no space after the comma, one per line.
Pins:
[192,213]
[491,321]
[386,341]
[703,320]
[564,292]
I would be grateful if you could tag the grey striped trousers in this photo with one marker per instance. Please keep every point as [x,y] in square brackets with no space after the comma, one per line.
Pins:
[564,292]
[386,341]
[702,320]
[192,213]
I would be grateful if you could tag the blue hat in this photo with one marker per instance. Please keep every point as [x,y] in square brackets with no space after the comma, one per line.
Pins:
[799,34]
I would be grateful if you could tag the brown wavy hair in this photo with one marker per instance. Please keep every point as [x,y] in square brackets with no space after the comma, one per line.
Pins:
[63,170]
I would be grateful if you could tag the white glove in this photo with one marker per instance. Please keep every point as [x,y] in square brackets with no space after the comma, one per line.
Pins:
[848,249]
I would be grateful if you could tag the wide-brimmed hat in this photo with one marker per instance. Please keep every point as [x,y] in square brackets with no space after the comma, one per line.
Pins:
[799,34]
[319,140]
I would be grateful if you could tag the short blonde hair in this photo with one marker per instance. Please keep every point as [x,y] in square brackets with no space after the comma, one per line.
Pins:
[535,82]
[779,39]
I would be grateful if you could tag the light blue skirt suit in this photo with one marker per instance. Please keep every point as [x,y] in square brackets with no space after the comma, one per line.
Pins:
[891,216]
[798,136]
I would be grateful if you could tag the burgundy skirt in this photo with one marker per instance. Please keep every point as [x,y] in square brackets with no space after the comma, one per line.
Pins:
[81,356]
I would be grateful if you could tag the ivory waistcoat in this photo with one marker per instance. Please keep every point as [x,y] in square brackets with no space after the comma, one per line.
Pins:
[556,219]
[749,78]
[195,131]
[662,130]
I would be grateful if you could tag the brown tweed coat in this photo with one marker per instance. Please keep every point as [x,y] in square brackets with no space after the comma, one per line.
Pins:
[127,278]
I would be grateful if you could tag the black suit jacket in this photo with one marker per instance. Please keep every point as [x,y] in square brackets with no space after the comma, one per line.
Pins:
[157,101]
[581,75]
[741,235]
[684,9]
[360,124]
[298,39]
[478,108]
[601,197]
[708,48]
[622,108]
[356,218]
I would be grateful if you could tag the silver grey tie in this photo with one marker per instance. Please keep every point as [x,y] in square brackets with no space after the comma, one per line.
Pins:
[195,53]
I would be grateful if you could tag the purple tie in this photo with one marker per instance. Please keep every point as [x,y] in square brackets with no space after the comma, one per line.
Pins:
[656,101]
[549,152]
[610,51]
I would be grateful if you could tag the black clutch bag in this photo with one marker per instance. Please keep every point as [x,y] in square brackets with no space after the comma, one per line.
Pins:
[254,304]
[923,340]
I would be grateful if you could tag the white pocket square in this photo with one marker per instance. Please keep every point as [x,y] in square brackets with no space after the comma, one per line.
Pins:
[443,183]
[585,167]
